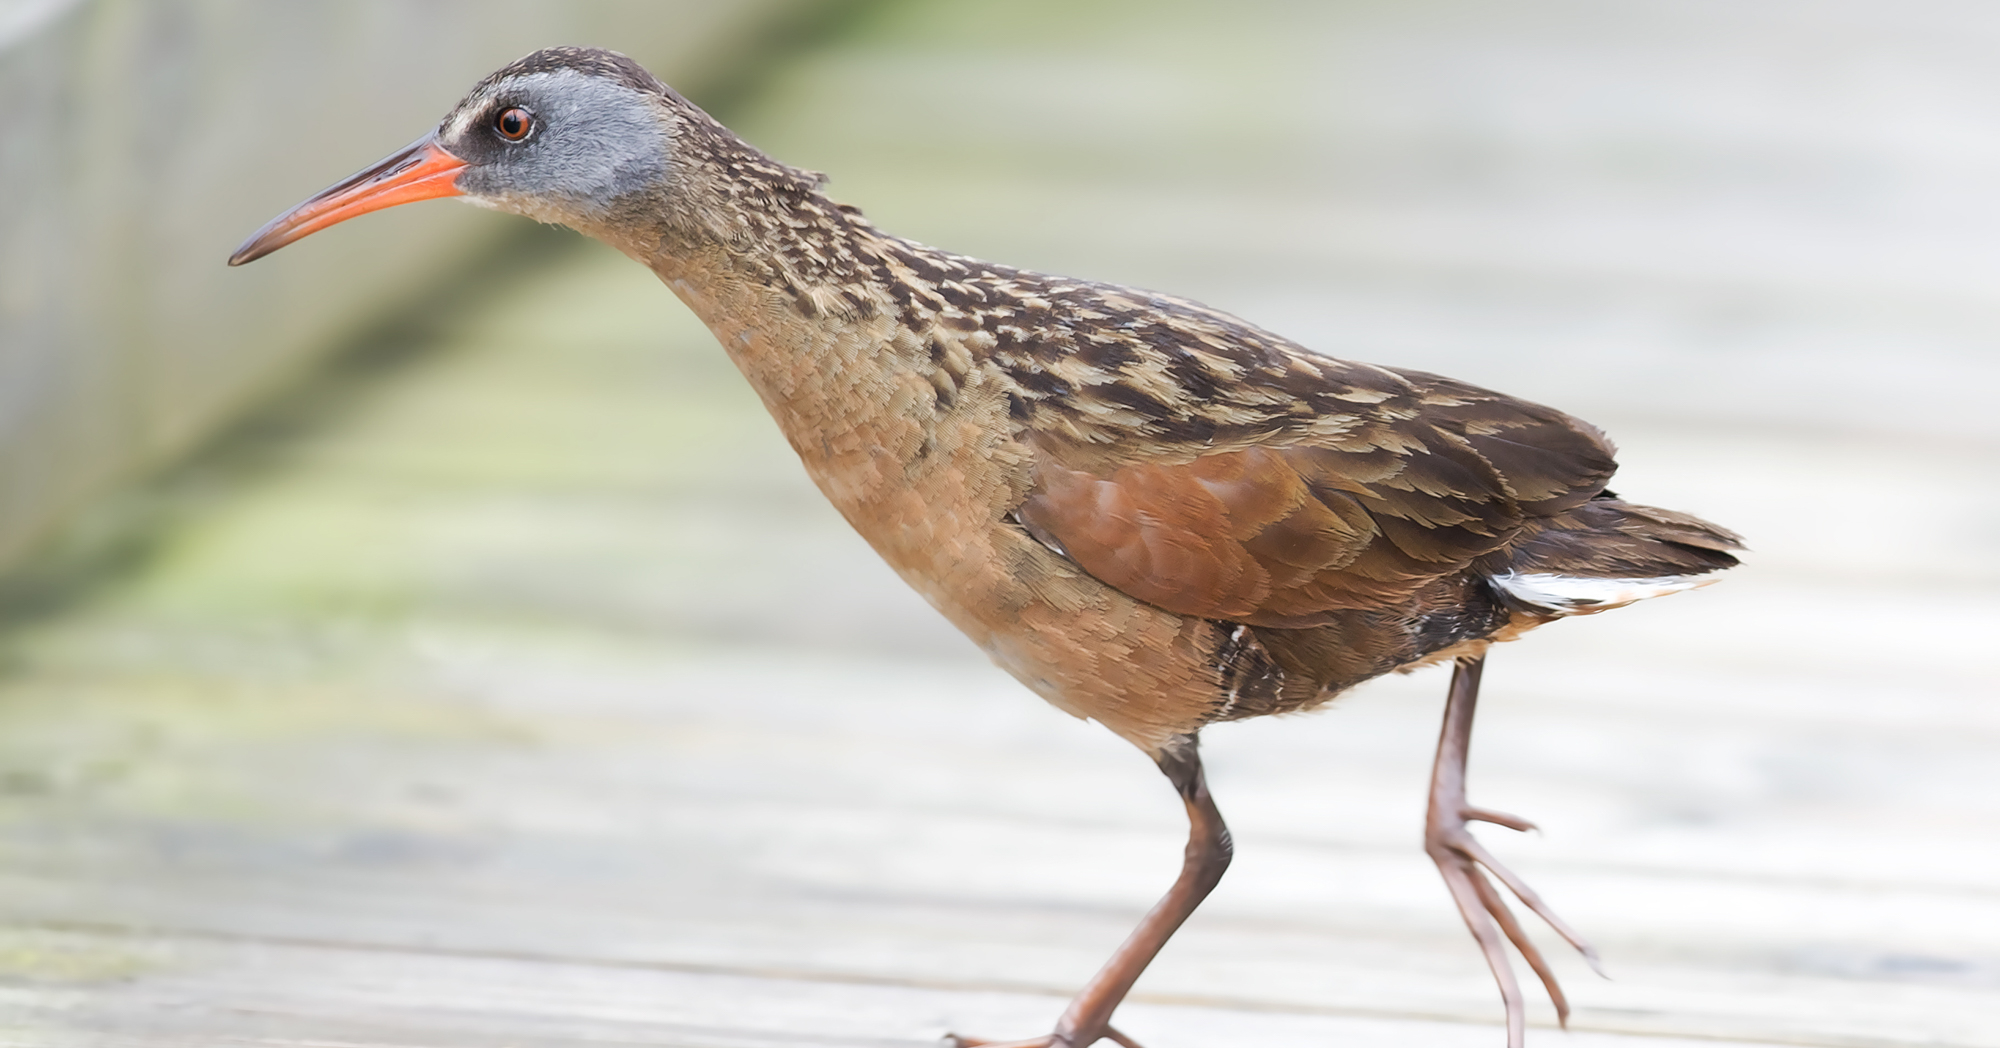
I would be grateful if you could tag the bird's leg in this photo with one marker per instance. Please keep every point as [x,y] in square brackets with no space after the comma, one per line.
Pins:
[1459,858]
[1088,1017]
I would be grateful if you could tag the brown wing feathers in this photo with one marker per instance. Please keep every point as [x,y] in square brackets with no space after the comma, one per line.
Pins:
[1290,536]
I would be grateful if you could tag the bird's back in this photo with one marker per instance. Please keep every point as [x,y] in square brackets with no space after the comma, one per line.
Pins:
[1336,520]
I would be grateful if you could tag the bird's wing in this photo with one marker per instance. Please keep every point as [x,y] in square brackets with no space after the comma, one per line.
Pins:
[1215,471]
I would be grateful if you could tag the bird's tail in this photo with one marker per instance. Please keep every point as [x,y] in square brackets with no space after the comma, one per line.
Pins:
[1605,554]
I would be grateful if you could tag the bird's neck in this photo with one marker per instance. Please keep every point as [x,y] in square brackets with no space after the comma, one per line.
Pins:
[787,283]
[814,306]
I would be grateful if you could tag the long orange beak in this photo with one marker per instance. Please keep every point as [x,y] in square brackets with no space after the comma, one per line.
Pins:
[421,171]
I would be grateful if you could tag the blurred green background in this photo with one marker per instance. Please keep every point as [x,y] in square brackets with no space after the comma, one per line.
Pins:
[422,635]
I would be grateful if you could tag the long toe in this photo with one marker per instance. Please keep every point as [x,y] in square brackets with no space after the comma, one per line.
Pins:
[1465,866]
[1477,853]
[1471,892]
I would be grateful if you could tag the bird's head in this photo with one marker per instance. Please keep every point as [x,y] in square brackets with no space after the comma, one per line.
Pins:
[565,135]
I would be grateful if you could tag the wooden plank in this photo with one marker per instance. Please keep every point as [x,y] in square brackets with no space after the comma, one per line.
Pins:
[295,994]
[846,823]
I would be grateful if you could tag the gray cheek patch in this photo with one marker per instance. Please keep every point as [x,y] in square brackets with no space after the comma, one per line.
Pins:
[598,141]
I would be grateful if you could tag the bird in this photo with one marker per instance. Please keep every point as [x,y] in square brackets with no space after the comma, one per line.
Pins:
[1153,514]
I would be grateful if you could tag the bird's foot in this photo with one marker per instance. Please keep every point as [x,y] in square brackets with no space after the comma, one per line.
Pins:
[1052,1040]
[1465,864]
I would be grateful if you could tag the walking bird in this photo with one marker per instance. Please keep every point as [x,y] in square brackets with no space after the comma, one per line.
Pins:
[1153,514]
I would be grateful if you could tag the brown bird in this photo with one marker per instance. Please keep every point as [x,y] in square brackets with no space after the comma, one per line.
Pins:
[1151,513]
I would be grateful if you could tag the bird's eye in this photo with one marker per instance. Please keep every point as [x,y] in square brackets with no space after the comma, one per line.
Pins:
[514,124]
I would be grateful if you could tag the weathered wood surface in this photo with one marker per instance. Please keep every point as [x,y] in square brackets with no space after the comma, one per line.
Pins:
[521,692]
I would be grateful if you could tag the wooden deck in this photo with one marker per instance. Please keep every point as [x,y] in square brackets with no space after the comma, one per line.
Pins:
[511,686]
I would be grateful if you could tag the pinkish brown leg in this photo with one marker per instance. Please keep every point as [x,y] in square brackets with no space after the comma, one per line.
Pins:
[1460,858]
[1088,1017]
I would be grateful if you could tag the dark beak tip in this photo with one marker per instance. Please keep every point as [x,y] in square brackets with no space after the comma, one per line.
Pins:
[250,250]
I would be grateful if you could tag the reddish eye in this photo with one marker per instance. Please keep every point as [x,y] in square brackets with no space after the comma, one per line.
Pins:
[514,124]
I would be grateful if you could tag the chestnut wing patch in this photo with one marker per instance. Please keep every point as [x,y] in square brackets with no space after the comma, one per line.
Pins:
[1287,537]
